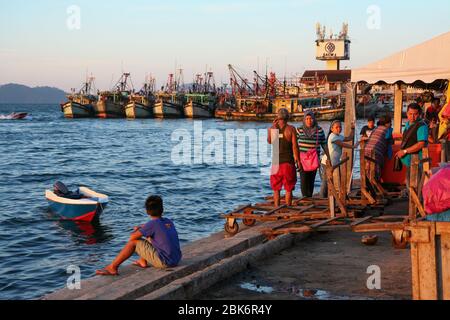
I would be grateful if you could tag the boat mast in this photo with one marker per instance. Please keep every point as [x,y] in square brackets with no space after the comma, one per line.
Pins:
[237,88]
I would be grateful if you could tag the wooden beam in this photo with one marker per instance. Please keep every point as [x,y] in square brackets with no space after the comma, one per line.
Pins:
[398,109]
[316,225]
[343,180]
[275,210]
[350,116]
[376,227]
[301,209]
[414,170]
[416,201]
[359,221]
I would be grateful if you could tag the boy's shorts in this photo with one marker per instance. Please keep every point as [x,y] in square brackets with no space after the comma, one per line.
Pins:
[285,175]
[147,252]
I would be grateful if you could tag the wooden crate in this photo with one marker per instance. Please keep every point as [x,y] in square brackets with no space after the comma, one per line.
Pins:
[430,257]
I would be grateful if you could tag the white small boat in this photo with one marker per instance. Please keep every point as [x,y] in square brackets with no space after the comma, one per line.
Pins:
[84,205]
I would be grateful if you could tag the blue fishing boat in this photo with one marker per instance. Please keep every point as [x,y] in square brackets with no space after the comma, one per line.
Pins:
[85,205]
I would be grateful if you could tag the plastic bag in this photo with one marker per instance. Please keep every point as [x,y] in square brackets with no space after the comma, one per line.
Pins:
[436,193]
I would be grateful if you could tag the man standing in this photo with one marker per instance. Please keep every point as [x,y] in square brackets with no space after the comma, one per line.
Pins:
[415,137]
[283,173]
[367,129]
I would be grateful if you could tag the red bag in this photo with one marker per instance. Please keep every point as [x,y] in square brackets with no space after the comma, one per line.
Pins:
[436,193]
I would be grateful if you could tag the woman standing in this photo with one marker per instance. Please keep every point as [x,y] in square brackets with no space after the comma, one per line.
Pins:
[310,138]
[336,141]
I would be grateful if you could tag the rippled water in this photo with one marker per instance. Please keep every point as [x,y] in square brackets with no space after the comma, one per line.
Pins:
[124,159]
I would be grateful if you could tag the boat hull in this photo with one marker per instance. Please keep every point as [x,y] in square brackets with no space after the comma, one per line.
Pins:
[82,213]
[197,110]
[136,110]
[108,109]
[86,209]
[76,110]
[326,115]
[163,109]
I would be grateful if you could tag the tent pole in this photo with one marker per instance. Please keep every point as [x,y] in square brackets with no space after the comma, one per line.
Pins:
[398,108]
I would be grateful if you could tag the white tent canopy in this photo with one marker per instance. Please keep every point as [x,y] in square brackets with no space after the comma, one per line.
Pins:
[426,62]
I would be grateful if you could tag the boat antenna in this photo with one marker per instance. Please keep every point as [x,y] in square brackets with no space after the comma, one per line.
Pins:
[112,79]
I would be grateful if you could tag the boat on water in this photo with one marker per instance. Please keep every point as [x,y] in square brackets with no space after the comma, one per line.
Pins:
[169,105]
[111,104]
[200,105]
[81,104]
[84,205]
[140,105]
[202,99]
[170,102]
[261,100]
[14,116]
[266,109]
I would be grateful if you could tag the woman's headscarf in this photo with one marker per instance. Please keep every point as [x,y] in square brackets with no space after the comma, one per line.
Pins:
[310,132]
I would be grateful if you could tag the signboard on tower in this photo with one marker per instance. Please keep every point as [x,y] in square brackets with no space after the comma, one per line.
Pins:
[332,49]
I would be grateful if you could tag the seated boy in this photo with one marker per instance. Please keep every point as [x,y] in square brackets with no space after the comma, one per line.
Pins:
[161,248]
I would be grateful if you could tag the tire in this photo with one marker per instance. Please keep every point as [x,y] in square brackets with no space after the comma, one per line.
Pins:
[249,222]
[231,230]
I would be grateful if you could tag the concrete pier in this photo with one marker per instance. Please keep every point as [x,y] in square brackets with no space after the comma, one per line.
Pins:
[205,262]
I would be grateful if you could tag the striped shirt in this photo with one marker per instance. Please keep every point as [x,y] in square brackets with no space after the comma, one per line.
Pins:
[305,143]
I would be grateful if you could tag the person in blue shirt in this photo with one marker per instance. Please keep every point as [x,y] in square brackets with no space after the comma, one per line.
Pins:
[415,137]
[156,242]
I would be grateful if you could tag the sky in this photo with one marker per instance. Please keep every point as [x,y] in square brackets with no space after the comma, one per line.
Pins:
[58,42]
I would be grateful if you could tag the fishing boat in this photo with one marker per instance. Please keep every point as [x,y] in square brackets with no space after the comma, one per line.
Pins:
[169,105]
[261,100]
[111,104]
[247,109]
[170,102]
[80,104]
[141,105]
[200,105]
[261,109]
[202,99]
[86,208]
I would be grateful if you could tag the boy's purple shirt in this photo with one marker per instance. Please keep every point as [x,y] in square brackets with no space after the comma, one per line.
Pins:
[164,238]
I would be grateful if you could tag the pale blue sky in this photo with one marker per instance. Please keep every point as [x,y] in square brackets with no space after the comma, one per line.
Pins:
[37,48]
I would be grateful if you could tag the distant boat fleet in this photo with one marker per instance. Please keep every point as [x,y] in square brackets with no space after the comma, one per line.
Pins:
[259,101]
[124,102]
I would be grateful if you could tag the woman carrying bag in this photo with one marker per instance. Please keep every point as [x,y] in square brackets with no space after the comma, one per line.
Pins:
[310,138]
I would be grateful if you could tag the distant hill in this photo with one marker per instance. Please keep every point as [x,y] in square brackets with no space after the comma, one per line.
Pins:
[17,93]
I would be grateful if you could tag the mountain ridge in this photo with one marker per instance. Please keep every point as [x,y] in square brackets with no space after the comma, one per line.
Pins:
[19,93]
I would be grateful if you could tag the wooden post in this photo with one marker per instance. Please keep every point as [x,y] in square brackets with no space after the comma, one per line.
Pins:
[343,179]
[329,174]
[413,181]
[423,260]
[426,170]
[366,197]
[350,116]
[362,168]
[398,109]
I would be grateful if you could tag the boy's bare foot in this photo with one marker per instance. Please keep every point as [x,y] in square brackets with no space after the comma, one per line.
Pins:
[107,271]
[141,264]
